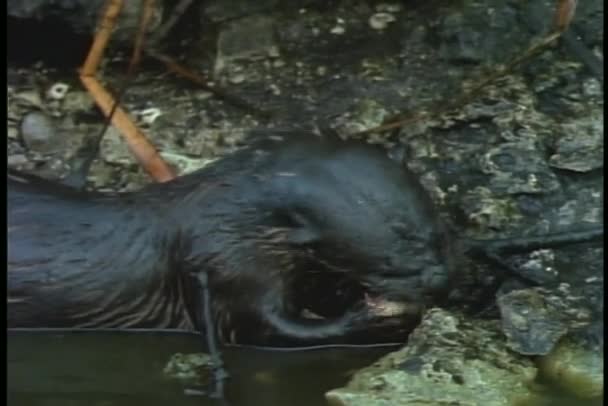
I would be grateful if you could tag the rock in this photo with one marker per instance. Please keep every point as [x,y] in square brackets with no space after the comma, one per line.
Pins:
[222,10]
[29,98]
[487,211]
[447,361]
[39,133]
[78,101]
[184,164]
[12,133]
[379,21]
[247,38]
[113,148]
[581,147]
[57,91]
[518,167]
[362,115]
[535,319]
[577,369]
[537,266]
[188,367]
[82,15]
[473,33]
[16,160]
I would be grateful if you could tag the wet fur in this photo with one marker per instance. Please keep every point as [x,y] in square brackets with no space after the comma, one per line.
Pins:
[258,222]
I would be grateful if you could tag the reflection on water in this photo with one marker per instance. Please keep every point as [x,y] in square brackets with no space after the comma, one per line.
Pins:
[103,369]
[95,369]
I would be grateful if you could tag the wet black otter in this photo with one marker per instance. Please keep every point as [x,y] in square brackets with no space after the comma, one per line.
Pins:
[262,223]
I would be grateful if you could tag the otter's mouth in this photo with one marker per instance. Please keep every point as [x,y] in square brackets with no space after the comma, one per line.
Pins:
[327,295]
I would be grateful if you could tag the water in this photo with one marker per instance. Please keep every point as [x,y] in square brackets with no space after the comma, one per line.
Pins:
[102,369]
[116,368]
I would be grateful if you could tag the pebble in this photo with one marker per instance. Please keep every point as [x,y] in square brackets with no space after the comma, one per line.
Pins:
[39,133]
[149,116]
[238,78]
[380,21]
[57,91]
[389,7]
[16,160]
[12,133]
[29,98]
[338,30]
[78,101]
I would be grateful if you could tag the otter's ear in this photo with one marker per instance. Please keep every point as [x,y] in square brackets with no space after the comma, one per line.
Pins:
[301,231]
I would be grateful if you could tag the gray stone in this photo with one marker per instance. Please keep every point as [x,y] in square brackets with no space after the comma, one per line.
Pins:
[535,319]
[114,149]
[16,160]
[221,10]
[188,367]
[83,15]
[518,167]
[581,147]
[447,361]
[247,38]
[40,134]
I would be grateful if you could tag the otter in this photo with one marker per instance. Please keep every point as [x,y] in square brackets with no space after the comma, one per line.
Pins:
[277,227]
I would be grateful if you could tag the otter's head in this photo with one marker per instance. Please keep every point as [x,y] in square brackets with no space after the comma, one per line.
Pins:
[353,213]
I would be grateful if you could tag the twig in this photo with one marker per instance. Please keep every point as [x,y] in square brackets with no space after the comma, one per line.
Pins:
[219,372]
[146,14]
[469,95]
[562,18]
[564,13]
[141,148]
[87,154]
[178,10]
[196,78]
[199,80]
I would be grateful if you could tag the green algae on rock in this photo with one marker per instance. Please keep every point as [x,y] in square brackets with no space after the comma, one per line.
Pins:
[447,361]
[574,368]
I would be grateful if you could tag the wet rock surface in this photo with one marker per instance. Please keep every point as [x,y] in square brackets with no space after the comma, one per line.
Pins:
[188,368]
[524,157]
[575,367]
[448,361]
[78,15]
[534,320]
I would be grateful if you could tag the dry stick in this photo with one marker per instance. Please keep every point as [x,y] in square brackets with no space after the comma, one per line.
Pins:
[564,13]
[563,17]
[90,151]
[138,46]
[178,10]
[220,374]
[192,76]
[199,80]
[141,148]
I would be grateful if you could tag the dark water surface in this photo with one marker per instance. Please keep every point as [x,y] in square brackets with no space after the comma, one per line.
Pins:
[117,368]
[95,369]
